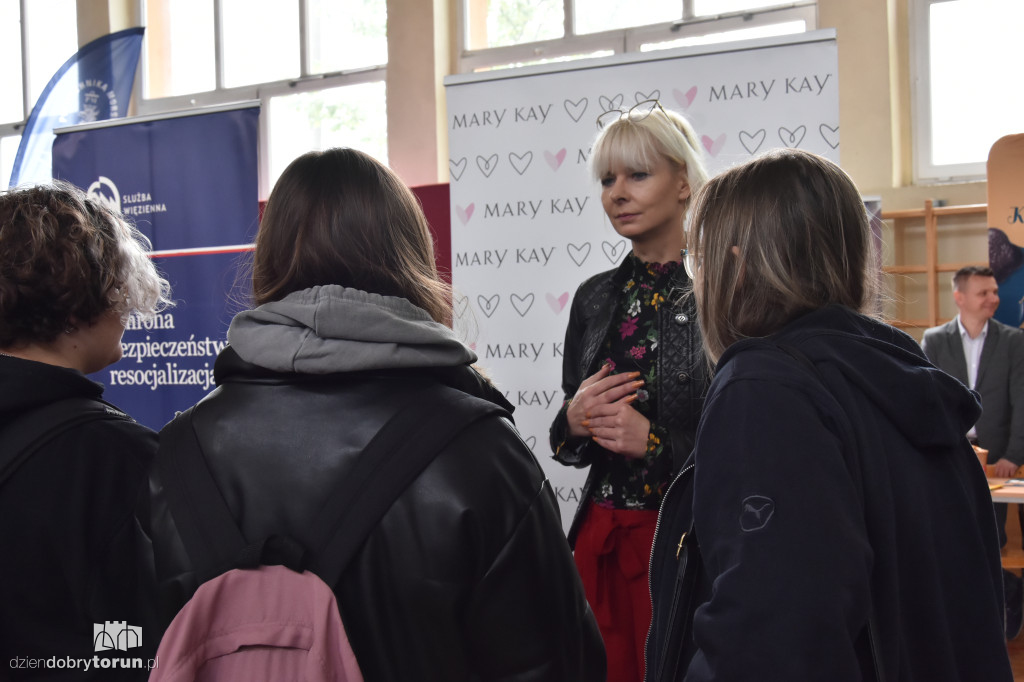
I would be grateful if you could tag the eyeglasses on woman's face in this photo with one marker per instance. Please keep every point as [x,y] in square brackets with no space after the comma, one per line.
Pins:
[638,112]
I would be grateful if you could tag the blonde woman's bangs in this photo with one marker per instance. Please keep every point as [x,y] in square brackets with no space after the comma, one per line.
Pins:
[624,144]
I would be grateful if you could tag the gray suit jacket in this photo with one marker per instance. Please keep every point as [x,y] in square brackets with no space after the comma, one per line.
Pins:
[1000,383]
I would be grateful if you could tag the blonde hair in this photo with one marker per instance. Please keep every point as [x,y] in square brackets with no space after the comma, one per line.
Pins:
[777,237]
[636,144]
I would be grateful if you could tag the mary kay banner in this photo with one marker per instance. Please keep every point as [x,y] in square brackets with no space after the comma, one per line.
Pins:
[527,221]
[189,183]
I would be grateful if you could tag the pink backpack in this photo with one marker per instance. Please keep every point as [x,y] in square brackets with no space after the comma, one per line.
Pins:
[267,623]
[266,610]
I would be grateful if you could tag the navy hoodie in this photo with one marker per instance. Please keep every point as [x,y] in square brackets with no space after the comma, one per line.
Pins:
[832,478]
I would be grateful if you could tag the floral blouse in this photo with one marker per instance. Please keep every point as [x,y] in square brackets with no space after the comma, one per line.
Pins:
[632,346]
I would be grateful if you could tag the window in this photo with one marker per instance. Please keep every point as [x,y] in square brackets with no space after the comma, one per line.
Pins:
[501,33]
[52,37]
[965,97]
[36,38]
[178,48]
[348,116]
[594,16]
[763,31]
[318,67]
[12,107]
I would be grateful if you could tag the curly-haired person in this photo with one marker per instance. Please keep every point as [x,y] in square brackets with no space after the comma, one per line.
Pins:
[71,466]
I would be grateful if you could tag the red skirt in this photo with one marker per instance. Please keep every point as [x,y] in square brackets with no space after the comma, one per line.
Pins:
[612,554]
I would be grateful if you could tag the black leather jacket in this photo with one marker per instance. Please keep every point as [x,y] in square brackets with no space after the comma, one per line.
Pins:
[682,368]
[467,576]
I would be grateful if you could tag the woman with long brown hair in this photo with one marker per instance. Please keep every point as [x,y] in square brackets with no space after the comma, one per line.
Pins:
[467,575]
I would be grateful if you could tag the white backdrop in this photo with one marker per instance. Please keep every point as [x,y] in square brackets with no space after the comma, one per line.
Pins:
[527,222]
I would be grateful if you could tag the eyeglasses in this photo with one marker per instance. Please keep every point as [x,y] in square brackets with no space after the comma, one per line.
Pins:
[691,263]
[638,112]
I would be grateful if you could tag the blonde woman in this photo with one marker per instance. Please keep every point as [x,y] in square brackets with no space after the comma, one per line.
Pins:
[634,373]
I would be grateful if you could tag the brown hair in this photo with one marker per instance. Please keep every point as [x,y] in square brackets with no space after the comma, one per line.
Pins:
[777,237]
[341,217]
[968,271]
[65,259]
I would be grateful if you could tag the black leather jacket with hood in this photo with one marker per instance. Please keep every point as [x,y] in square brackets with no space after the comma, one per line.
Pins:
[467,576]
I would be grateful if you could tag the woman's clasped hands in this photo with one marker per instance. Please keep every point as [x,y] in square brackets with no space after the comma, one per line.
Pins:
[602,409]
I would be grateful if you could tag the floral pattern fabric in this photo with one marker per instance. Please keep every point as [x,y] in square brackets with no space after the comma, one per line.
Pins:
[632,346]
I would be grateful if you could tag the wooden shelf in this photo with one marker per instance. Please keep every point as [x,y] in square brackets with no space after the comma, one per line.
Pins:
[931,267]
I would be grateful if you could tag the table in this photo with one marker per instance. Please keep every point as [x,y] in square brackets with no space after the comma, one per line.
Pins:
[1004,492]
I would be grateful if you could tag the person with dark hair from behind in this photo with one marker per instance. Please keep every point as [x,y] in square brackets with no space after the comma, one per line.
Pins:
[833,523]
[987,356]
[467,576]
[71,274]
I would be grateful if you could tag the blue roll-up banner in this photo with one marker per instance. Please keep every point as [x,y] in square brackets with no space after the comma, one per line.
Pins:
[93,85]
[189,183]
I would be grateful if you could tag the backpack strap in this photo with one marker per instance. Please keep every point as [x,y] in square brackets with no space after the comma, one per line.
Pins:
[202,517]
[30,431]
[394,457]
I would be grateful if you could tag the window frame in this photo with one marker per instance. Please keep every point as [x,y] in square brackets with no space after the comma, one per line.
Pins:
[17,128]
[261,92]
[924,171]
[619,41]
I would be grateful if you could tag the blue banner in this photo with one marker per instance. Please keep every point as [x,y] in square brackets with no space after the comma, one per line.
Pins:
[94,85]
[190,185]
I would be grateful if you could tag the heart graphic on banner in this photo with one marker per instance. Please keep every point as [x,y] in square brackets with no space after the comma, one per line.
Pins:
[557,303]
[461,305]
[613,251]
[830,135]
[487,165]
[578,253]
[488,305]
[576,109]
[641,97]
[555,160]
[522,304]
[713,146]
[685,99]
[520,163]
[531,442]
[457,168]
[610,104]
[792,138]
[752,142]
[465,213]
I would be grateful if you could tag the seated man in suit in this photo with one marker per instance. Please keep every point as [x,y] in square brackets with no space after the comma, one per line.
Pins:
[987,356]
